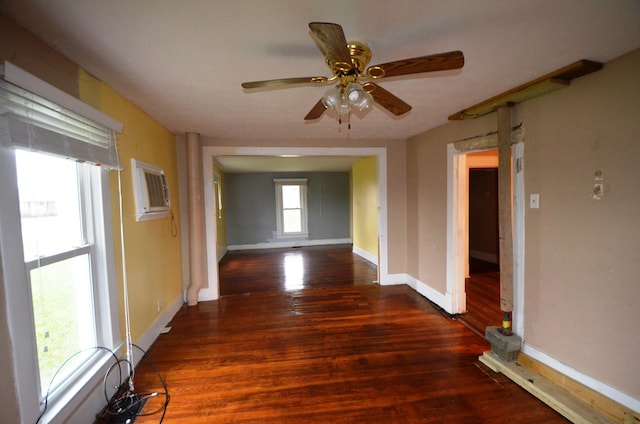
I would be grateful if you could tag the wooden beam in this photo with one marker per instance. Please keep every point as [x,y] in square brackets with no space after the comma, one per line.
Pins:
[505,219]
[545,84]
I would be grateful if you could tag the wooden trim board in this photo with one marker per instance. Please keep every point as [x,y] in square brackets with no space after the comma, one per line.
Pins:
[620,413]
[564,400]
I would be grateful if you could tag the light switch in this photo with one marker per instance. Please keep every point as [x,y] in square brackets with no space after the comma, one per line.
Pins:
[534,201]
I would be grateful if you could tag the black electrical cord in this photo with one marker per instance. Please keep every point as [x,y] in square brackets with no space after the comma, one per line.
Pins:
[127,402]
[66,361]
[165,393]
[174,226]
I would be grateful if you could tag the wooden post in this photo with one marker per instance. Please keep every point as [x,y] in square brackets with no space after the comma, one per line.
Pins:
[505,218]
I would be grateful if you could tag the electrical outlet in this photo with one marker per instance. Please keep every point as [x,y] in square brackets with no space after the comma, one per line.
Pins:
[159,305]
[598,191]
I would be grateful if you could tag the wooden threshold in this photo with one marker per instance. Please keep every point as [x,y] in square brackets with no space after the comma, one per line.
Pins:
[545,84]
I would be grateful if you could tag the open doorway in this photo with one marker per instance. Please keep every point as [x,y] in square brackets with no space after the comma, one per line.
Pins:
[209,153]
[460,159]
[482,284]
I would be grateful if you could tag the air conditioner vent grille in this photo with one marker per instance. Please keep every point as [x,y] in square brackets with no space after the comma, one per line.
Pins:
[151,191]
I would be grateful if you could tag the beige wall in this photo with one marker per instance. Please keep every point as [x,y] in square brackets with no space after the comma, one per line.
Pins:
[397,228]
[582,256]
[582,294]
[26,51]
[427,198]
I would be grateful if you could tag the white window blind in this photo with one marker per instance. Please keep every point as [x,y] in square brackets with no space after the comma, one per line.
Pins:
[30,121]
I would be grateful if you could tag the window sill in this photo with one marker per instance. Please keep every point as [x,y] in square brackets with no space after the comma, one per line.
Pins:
[289,237]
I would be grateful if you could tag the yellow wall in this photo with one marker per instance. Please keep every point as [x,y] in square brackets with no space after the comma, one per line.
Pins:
[365,205]
[221,223]
[152,248]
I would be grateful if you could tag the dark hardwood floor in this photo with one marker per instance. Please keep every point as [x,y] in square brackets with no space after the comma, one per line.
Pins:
[294,268]
[333,348]
[483,297]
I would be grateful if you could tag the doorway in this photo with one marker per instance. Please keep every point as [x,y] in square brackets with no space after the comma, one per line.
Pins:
[211,292]
[482,284]
[459,161]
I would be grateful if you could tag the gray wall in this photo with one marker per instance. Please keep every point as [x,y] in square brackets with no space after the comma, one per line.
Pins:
[250,206]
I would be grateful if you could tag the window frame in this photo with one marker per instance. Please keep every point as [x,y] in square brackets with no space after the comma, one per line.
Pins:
[99,246]
[304,214]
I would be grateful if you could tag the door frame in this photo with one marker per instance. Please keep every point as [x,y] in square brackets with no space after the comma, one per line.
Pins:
[458,230]
[209,153]
[475,162]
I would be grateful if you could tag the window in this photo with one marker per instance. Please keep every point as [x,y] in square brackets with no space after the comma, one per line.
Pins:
[59,255]
[291,208]
[56,245]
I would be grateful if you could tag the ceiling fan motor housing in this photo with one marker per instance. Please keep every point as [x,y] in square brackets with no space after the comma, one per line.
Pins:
[360,57]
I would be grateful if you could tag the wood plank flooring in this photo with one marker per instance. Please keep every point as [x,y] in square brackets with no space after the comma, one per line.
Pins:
[483,297]
[295,268]
[334,350]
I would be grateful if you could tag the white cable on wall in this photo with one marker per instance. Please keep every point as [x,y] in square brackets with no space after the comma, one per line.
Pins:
[128,341]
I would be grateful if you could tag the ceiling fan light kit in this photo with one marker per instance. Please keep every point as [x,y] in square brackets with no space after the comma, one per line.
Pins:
[340,98]
[348,61]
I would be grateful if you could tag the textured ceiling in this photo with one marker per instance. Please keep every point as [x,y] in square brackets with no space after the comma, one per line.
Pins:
[183,61]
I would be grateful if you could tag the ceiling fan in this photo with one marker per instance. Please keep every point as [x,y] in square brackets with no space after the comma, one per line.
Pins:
[348,62]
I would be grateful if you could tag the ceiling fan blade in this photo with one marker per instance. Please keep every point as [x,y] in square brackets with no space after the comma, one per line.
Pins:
[387,100]
[284,81]
[416,65]
[316,111]
[333,44]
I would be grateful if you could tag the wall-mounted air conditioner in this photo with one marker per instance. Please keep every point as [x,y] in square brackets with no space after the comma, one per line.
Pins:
[150,190]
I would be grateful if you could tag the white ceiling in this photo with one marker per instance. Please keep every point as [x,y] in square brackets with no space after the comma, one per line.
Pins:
[183,61]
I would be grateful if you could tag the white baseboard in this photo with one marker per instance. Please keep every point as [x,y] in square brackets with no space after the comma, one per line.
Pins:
[288,243]
[365,255]
[592,383]
[427,291]
[433,295]
[155,329]
[484,256]
[395,279]
[206,293]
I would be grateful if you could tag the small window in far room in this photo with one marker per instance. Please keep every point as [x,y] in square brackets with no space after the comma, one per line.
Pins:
[291,208]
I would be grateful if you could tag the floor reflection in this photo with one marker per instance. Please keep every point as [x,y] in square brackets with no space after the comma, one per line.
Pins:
[293,271]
